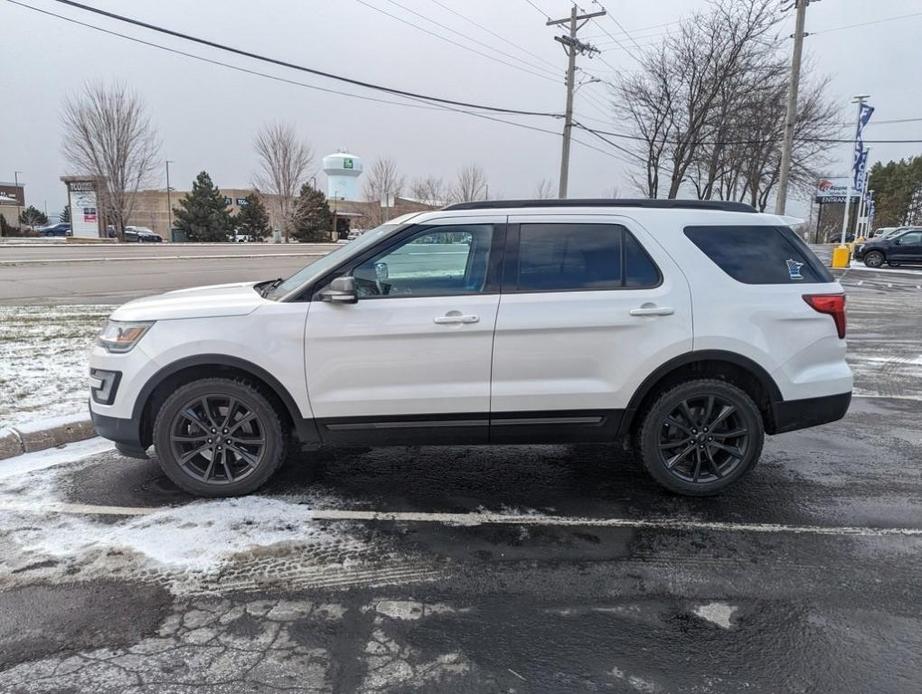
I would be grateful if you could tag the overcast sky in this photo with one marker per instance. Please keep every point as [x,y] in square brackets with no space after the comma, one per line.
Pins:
[207,115]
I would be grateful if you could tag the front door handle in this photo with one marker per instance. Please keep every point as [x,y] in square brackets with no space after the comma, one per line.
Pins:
[650,310]
[455,317]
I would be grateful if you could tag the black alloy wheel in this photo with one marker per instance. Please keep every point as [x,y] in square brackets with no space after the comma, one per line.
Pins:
[873,258]
[701,436]
[219,437]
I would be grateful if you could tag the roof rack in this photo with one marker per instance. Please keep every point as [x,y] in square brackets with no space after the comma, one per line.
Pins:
[724,205]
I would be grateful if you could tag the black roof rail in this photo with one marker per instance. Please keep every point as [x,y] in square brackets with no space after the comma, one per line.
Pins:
[724,205]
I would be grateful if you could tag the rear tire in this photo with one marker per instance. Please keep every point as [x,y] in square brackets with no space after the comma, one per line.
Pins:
[701,436]
[219,437]
[874,259]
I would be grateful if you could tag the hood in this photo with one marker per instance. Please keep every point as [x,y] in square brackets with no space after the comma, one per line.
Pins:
[213,301]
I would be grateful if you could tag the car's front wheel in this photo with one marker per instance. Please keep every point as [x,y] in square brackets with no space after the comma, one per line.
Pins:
[219,437]
[701,436]
[874,259]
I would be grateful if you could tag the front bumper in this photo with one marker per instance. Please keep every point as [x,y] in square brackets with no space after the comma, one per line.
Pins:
[791,415]
[126,433]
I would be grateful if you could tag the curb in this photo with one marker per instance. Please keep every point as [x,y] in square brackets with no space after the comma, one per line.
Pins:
[42,434]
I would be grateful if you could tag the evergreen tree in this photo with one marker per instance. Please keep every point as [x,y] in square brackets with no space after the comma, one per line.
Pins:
[33,217]
[313,220]
[253,219]
[203,214]
[897,187]
[65,214]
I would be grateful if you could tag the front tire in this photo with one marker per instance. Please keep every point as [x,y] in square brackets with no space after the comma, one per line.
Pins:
[219,437]
[701,436]
[874,259]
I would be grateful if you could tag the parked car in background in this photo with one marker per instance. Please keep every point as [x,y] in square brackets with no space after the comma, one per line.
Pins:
[904,246]
[883,232]
[685,329]
[238,237]
[135,234]
[59,229]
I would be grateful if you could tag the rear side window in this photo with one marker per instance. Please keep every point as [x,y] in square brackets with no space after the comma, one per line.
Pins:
[572,257]
[759,254]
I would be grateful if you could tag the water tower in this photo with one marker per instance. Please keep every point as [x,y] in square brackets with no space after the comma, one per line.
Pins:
[343,171]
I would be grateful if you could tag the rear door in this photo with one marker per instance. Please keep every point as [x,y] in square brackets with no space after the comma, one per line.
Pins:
[590,306]
[907,248]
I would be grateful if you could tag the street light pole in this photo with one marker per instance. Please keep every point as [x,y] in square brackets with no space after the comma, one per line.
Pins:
[790,118]
[169,204]
[18,206]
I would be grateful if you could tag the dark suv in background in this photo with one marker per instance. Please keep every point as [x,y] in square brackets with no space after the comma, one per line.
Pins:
[904,247]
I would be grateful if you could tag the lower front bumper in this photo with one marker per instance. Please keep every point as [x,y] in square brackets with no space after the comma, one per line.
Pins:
[126,433]
[790,415]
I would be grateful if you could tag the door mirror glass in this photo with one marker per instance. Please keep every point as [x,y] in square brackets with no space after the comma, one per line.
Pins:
[381,271]
[340,291]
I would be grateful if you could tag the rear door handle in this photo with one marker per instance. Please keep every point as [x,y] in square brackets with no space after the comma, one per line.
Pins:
[652,311]
[454,318]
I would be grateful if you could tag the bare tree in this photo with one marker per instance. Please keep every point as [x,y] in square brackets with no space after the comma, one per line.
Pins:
[108,134]
[284,164]
[546,189]
[470,185]
[383,184]
[430,190]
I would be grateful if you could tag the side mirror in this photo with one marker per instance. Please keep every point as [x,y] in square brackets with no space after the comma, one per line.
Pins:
[381,271]
[340,291]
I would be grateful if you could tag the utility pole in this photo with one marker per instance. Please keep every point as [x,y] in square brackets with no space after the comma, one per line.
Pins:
[169,204]
[791,117]
[571,46]
[18,206]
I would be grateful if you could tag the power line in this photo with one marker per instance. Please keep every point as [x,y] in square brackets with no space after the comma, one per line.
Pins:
[494,34]
[818,140]
[864,24]
[452,41]
[285,64]
[540,11]
[641,29]
[620,26]
[425,105]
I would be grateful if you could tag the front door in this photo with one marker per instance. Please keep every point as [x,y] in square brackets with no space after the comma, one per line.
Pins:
[588,310]
[410,361]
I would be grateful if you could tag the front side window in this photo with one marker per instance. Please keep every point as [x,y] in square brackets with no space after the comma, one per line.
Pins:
[759,254]
[573,257]
[437,261]
[913,238]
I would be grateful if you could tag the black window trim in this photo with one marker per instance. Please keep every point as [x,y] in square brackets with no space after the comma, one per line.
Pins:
[511,263]
[347,267]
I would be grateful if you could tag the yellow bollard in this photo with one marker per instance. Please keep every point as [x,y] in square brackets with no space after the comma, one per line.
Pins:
[840,256]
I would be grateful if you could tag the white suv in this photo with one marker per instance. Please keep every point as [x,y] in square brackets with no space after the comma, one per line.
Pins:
[687,329]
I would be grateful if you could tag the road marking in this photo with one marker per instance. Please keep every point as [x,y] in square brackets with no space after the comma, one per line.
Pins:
[158,257]
[487,518]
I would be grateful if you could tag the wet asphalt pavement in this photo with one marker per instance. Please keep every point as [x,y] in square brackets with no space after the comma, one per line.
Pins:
[805,577]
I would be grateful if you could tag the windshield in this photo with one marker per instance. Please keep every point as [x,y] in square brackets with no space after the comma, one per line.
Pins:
[329,261]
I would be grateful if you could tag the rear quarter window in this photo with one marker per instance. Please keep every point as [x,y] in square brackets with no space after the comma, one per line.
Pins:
[759,254]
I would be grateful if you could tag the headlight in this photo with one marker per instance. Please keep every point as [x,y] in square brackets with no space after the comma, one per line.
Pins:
[122,336]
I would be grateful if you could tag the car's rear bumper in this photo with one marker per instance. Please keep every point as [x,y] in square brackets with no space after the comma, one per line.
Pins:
[126,433]
[790,415]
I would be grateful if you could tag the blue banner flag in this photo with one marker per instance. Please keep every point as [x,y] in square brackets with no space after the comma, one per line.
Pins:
[861,155]
[861,166]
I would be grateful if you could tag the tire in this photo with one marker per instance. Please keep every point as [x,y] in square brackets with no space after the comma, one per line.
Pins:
[195,458]
[691,420]
[874,259]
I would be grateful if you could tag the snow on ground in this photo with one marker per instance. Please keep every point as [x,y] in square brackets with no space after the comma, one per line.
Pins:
[196,548]
[43,359]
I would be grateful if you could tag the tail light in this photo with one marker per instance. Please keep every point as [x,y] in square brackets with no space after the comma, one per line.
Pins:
[832,305]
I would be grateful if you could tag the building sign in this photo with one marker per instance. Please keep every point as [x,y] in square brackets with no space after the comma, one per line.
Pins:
[832,190]
[228,201]
[347,164]
[84,215]
[241,202]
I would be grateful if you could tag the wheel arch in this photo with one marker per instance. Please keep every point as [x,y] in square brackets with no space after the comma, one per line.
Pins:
[730,366]
[182,371]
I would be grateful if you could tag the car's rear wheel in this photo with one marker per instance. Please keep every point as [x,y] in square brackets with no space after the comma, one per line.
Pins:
[219,437]
[874,259]
[701,436]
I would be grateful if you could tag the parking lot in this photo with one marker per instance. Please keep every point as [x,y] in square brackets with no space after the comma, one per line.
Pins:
[520,569]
